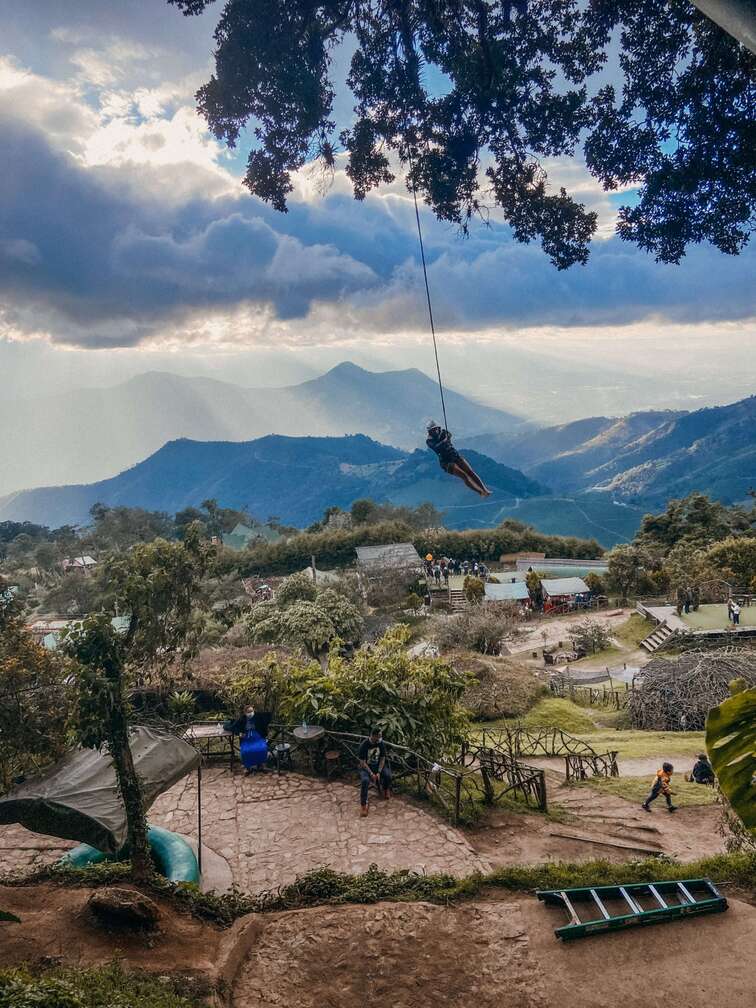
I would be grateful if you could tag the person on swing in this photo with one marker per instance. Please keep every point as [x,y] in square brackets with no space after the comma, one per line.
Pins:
[440,442]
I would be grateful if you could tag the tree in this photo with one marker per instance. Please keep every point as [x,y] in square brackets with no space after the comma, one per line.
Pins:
[535,589]
[589,637]
[734,556]
[415,701]
[310,623]
[475,589]
[595,582]
[517,90]
[696,521]
[628,567]
[156,586]
[36,701]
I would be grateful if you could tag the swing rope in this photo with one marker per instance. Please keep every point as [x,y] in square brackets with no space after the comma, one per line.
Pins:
[430,306]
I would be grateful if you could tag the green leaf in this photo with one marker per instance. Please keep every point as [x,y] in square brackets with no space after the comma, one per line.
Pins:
[11,918]
[731,744]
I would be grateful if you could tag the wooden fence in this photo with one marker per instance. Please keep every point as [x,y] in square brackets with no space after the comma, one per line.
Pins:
[519,741]
[580,768]
[480,775]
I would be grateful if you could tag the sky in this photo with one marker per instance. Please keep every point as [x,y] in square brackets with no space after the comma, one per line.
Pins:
[127,244]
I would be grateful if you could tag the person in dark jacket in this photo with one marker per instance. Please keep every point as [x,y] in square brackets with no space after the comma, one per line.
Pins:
[450,460]
[253,746]
[702,772]
[374,768]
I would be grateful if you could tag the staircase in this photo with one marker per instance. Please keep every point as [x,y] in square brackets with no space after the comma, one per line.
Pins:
[605,821]
[659,636]
[457,600]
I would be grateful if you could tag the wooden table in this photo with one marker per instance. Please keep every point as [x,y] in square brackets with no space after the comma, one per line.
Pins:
[202,735]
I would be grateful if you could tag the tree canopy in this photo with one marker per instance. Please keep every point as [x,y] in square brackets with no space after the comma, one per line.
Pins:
[471,97]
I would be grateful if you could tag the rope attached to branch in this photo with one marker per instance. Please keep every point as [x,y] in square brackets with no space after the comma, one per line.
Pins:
[430,306]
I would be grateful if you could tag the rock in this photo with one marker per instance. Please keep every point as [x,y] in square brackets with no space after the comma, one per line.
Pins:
[124,907]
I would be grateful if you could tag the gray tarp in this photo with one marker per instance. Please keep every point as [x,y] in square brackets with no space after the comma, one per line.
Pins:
[78,798]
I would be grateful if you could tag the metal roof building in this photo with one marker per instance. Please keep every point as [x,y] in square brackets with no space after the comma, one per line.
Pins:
[510,591]
[564,586]
[392,556]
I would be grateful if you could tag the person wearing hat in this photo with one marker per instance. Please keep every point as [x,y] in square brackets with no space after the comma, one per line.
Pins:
[439,441]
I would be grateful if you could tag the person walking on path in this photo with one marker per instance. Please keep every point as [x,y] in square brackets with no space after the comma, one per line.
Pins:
[661,786]
[374,768]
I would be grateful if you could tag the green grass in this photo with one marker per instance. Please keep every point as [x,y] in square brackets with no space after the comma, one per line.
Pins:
[97,987]
[554,712]
[636,789]
[632,744]
[714,617]
[632,631]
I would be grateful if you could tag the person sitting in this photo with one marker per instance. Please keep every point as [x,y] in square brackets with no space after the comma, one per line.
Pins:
[374,768]
[253,747]
[439,441]
[702,772]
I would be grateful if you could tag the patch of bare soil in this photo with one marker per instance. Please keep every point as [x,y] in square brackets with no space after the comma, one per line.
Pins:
[404,955]
[691,963]
[598,826]
[56,925]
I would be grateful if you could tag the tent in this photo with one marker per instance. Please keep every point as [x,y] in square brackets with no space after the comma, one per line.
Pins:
[78,798]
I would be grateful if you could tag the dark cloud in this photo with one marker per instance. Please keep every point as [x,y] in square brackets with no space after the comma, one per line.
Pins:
[100,256]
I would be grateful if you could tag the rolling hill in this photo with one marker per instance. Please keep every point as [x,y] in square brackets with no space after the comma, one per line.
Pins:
[645,458]
[97,433]
[294,478]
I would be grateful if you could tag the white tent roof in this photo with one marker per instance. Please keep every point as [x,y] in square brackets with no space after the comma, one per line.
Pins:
[564,586]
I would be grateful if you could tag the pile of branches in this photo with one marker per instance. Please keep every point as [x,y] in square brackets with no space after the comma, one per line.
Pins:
[677,693]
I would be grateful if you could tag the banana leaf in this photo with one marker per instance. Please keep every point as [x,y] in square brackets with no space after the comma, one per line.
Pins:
[6,916]
[731,745]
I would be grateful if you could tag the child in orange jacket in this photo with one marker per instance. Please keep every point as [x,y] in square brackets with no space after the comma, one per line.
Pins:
[662,785]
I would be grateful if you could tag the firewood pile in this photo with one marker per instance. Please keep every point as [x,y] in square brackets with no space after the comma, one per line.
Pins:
[677,693]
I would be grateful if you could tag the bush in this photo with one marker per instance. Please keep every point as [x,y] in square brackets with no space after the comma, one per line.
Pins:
[499,689]
[97,987]
[415,701]
[475,589]
[482,629]
[590,636]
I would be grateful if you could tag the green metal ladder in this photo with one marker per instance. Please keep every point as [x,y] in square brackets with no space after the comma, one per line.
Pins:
[670,900]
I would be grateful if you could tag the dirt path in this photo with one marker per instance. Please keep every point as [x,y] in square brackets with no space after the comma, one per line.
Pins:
[597,825]
[493,954]
[547,631]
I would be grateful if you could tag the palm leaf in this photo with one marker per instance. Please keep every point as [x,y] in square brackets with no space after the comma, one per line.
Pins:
[731,744]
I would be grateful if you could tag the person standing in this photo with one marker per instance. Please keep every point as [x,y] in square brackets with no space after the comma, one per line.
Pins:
[735,614]
[374,768]
[437,575]
[446,575]
[662,786]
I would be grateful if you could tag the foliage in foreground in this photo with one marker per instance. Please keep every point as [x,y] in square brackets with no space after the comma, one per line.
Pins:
[97,987]
[731,745]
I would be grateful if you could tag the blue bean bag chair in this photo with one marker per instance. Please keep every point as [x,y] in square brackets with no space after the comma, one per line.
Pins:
[254,750]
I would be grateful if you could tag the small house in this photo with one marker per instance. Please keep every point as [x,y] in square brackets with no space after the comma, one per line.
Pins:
[510,591]
[399,557]
[79,565]
[572,592]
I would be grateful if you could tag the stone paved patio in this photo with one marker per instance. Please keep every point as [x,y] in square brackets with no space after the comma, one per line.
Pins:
[270,829]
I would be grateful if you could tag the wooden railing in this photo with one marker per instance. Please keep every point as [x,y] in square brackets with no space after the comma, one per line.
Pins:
[580,768]
[479,775]
[589,695]
[519,741]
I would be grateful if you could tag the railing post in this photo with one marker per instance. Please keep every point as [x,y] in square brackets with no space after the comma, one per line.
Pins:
[457,798]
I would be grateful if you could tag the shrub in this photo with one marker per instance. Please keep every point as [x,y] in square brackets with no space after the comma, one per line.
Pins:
[590,636]
[482,629]
[415,701]
[475,589]
[499,689]
[97,987]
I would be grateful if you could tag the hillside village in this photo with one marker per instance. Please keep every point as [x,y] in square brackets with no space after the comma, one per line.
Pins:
[377,504]
[518,680]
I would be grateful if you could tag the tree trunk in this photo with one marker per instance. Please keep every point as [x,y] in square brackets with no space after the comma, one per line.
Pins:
[131,793]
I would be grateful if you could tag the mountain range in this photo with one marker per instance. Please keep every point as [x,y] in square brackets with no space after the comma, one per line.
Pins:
[293,478]
[644,457]
[92,434]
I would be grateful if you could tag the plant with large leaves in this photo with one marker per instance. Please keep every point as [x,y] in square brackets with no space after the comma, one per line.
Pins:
[731,745]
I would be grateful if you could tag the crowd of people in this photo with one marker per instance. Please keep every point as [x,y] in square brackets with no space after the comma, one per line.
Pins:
[438,570]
